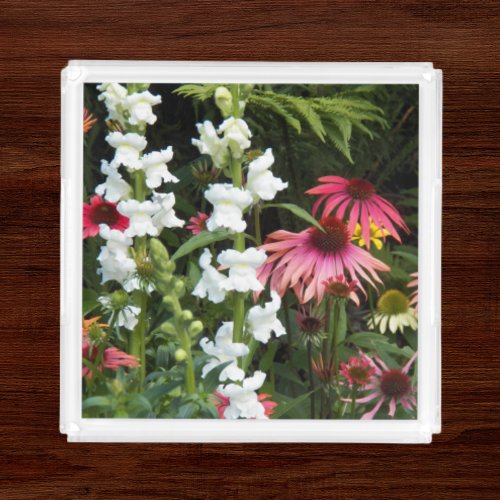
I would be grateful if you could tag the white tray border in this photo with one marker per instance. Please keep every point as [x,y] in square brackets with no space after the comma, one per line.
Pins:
[78,429]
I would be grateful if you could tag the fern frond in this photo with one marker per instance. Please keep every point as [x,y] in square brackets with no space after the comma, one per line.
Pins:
[274,106]
[198,92]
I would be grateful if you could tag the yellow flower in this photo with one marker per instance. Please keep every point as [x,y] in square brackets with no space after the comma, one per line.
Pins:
[376,235]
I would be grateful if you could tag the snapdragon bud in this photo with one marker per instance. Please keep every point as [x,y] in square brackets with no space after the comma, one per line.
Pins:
[180,355]
[224,101]
[179,288]
[168,327]
[186,315]
[119,299]
[195,328]
[159,255]
[169,302]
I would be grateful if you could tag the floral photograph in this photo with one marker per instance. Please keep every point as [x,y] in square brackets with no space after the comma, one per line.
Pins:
[250,251]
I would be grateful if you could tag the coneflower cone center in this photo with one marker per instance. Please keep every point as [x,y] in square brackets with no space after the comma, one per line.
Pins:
[105,213]
[395,384]
[393,302]
[338,289]
[359,374]
[360,189]
[334,238]
[310,325]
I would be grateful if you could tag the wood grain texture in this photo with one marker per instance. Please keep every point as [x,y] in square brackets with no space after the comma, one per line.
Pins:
[37,38]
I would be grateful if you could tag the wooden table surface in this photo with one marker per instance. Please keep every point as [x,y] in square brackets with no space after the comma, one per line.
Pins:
[37,38]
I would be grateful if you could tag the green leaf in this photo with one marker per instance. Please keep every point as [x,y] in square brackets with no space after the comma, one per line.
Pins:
[296,210]
[377,342]
[89,300]
[200,240]
[96,401]
[342,324]
[412,259]
[187,410]
[211,381]
[283,408]
[267,360]
[154,393]
[274,106]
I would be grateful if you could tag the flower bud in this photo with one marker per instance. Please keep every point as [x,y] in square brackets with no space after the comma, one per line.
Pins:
[186,315]
[224,101]
[169,302]
[180,355]
[168,327]
[195,328]
[117,386]
[159,254]
[119,299]
[179,288]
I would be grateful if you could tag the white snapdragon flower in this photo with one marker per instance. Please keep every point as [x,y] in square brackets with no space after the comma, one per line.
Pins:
[155,167]
[127,316]
[243,400]
[222,351]
[114,188]
[211,280]
[229,203]
[116,241]
[260,180]
[211,144]
[263,320]
[165,217]
[242,269]
[140,107]
[237,134]
[113,95]
[140,217]
[128,149]
[115,266]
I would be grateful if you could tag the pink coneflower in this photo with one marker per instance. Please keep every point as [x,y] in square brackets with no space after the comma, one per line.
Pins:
[357,197]
[341,288]
[414,295]
[88,120]
[357,371]
[222,402]
[303,261]
[324,370]
[310,320]
[98,212]
[198,224]
[389,384]
[112,357]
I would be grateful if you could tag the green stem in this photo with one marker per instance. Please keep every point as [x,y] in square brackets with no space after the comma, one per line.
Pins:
[256,216]
[185,341]
[252,347]
[329,323]
[138,336]
[353,399]
[311,379]
[370,302]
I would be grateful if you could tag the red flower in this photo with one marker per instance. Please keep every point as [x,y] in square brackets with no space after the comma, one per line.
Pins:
[98,212]
[198,224]
[358,371]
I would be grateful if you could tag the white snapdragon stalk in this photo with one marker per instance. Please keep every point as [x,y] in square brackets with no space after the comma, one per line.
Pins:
[210,281]
[229,203]
[155,167]
[165,216]
[243,400]
[113,95]
[260,180]
[224,350]
[140,107]
[237,134]
[128,148]
[242,269]
[263,320]
[114,188]
[211,144]
[140,217]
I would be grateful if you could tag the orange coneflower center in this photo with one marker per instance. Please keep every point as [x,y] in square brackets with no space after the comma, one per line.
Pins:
[395,384]
[360,189]
[338,289]
[334,238]
[104,213]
